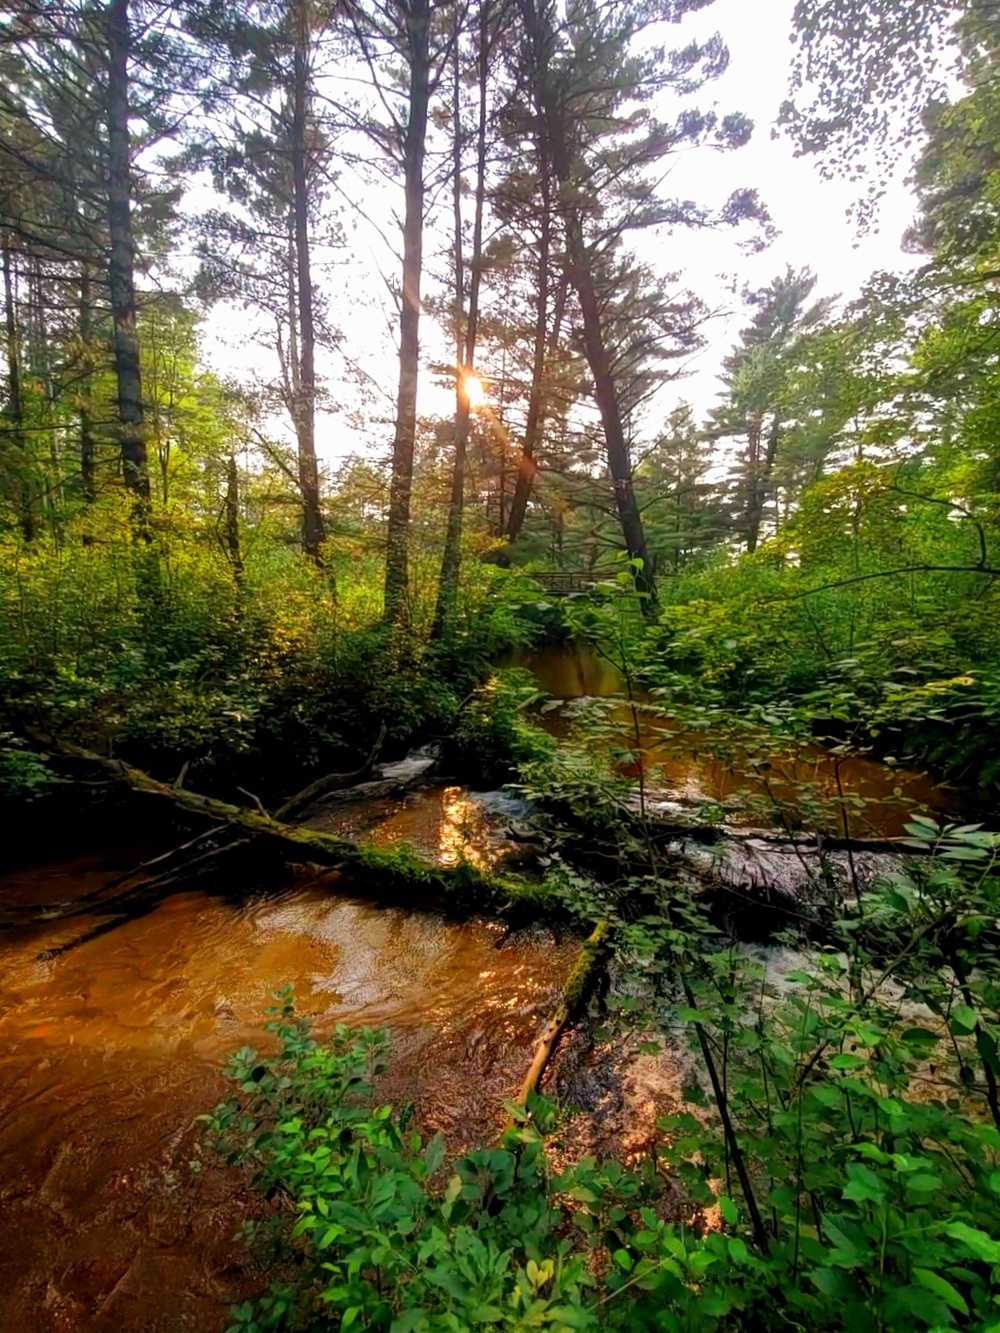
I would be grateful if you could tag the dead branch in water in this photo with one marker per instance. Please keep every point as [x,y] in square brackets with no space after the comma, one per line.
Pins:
[332,782]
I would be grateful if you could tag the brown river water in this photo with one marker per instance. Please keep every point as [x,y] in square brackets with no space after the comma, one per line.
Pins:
[112,1216]
[806,787]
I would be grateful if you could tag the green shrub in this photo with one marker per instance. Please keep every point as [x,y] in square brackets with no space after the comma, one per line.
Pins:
[23,773]
[839,1166]
[494,736]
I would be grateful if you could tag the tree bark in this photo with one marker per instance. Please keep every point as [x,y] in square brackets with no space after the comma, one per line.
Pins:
[579,267]
[232,510]
[121,266]
[15,400]
[40,369]
[404,443]
[465,350]
[605,391]
[545,343]
[760,478]
[575,995]
[88,442]
[313,526]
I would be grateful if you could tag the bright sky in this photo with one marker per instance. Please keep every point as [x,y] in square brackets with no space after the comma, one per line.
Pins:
[811,215]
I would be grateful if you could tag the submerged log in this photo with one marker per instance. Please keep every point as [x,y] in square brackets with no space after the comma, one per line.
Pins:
[391,780]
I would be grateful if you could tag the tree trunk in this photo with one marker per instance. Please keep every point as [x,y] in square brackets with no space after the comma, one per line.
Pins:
[121,267]
[545,343]
[232,510]
[605,391]
[40,370]
[404,443]
[465,352]
[313,527]
[760,477]
[579,266]
[15,402]
[88,443]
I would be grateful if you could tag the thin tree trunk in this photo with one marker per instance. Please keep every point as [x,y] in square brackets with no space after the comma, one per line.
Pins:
[121,267]
[606,393]
[761,469]
[313,527]
[232,529]
[41,369]
[15,400]
[545,344]
[465,352]
[88,443]
[404,443]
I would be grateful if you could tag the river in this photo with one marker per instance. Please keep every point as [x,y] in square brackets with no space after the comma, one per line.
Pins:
[112,1043]
[805,786]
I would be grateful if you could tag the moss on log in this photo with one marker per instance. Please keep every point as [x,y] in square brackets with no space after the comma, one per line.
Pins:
[575,995]
[462,887]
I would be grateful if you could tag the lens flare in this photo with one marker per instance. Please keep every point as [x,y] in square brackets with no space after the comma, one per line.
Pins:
[476,390]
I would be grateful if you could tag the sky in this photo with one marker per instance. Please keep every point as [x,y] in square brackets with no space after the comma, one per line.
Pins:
[811,215]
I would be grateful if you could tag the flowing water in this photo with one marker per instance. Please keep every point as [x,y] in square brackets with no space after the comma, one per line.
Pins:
[112,1043]
[109,1050]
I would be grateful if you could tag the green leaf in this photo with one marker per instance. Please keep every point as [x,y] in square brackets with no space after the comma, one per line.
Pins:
[728,1210]
[738,1250]
[976,1242]
[940,1287]
[832,1283]
[847,1061]
[963,1019]
[434,1153]
[863,1184]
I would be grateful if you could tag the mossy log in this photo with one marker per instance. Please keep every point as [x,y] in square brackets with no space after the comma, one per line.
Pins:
[462,887]
[575,994]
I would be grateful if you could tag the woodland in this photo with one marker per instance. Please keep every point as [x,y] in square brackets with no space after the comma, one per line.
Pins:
[228,596]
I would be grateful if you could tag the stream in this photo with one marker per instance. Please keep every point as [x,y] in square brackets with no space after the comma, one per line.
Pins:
[109,1049]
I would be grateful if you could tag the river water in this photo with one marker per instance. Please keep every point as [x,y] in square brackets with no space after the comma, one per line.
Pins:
[809,786]
[109,1050]
[112,1043]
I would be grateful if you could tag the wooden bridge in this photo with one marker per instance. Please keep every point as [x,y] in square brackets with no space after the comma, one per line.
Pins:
[564,582]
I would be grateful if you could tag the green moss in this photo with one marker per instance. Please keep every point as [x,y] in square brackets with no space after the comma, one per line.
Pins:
[581,978]
[464,887]
[400,863]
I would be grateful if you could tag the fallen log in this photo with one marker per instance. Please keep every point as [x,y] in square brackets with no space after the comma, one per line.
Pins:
[332,782]
[393,780]
[462,887]
[575,994]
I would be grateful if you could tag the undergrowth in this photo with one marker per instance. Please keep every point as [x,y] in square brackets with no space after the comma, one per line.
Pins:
[839,1156]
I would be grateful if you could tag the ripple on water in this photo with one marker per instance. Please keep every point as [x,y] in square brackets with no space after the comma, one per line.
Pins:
[109,1050]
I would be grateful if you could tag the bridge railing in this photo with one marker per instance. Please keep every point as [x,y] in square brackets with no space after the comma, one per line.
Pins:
[563,582]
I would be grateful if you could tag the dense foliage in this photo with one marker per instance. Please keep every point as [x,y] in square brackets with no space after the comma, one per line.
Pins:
[843,1170]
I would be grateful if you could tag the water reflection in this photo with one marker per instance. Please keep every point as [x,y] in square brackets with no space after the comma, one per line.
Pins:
[109,1050]
[443,823]
[809,787]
